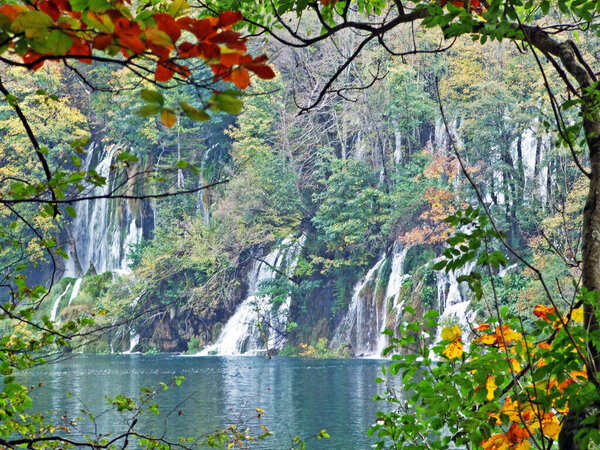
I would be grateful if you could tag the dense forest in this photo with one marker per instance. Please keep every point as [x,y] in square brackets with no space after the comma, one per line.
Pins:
[345,203]
[356,183]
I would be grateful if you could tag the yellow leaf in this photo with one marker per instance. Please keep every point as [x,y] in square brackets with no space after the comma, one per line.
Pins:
[490,385]
[450,334]
[525,445]
[550,425]
[454,350]
[168,117]
[577,314]
[515,365]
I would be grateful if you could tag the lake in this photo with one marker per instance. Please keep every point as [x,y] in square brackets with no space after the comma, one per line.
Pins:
[299,396]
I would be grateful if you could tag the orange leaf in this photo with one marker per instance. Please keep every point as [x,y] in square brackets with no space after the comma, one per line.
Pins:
[9,11]
[483,327]
[542,311]
[240,78]
[168,117]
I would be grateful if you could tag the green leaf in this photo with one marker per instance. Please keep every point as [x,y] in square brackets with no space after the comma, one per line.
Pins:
[227,103]
[195,114]
[71,211]
[182,164]
[149,110]
[57,43]
[152,96]
[177,7]
[33,23]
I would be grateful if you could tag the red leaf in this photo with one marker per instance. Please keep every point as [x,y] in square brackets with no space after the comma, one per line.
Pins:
[209,51]
[241,78]
[220,72]
[128,33]
[202,29]
[102,41]
[81,48]
[166,23]
[31,56]
[226,37]
[228,18]
[160,51]
[164,71]
[50,8]
[262,71]
[133,43]
[62,5]
[188,50]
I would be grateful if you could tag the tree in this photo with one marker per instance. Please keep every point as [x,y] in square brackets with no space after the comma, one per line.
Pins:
[542,29]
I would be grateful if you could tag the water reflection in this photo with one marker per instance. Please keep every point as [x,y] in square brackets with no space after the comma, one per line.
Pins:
[300,397]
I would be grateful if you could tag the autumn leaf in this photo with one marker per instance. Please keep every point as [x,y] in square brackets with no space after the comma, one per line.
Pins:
[240,78]
[542,311]
[577,315]
[454,350]
[491,387]
[168,117]
[450,334]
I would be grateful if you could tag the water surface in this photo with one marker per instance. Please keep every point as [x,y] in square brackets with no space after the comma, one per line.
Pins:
[299,396]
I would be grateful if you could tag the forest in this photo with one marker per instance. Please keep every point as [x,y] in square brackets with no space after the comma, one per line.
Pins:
[411,183]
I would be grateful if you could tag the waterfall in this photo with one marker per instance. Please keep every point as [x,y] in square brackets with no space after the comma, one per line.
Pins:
[54,311]
[360,324]
[395,281]
[241,334]
[76,288]
[370,313]
[134,340]
[103,230]
[452,303]
[397,147]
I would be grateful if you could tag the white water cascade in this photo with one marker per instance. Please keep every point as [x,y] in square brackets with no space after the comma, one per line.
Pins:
[76,288]
[361,323]
[54,311]
[452,302]
[241,334]
[370,313]
[134,340]
[103,230]
[395,281]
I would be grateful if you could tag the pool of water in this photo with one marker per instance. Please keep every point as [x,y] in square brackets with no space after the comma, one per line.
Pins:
[299,396]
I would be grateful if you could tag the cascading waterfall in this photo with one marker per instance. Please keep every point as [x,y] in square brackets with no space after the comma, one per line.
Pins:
[395,281]
[452,303]
[54,311]
[241,334]
[359,327]
[76,288]
[102,232]
[368,313]
[134,340]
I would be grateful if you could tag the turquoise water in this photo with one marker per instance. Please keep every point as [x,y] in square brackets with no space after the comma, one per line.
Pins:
[299,396]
